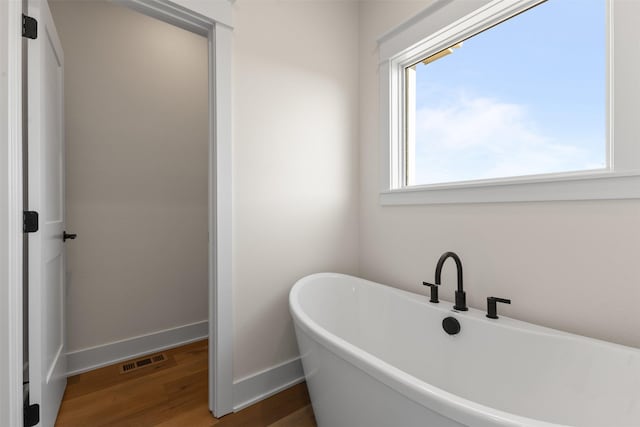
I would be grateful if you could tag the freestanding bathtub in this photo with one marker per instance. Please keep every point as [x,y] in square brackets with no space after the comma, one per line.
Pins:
[375,356]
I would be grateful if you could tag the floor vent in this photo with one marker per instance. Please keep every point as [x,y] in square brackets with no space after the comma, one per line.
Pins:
[141,363]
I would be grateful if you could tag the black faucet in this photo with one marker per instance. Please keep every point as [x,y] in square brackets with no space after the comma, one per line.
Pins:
[461,298]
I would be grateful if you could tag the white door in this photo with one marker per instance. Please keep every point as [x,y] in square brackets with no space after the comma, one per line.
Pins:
[47,362]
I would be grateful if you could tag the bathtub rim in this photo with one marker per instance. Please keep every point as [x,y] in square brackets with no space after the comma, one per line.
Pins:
[446,403]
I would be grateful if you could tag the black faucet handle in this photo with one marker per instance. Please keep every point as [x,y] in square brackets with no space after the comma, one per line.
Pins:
[492,302]
[434,292]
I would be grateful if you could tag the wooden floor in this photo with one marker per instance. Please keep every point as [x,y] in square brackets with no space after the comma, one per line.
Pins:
[171,393]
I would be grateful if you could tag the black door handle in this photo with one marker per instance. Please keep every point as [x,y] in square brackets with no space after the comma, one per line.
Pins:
[66,236]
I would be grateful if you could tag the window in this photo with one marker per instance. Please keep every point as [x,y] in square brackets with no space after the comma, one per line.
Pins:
[525,97]
[513,101]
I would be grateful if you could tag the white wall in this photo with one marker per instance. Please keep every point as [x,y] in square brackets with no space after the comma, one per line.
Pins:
[136,123]
[217,9]
[568,265]
[295,166]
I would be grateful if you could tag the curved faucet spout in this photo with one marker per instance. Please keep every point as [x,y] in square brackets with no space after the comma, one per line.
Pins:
[441,261]
[461,299]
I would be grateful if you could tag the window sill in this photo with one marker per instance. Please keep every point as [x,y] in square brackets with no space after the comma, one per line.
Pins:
[602,185]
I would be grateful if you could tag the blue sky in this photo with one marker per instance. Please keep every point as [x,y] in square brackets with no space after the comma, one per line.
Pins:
[525,97]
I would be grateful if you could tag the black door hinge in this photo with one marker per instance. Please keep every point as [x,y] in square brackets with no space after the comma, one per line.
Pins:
[31,415]
[31,222]
[29,27]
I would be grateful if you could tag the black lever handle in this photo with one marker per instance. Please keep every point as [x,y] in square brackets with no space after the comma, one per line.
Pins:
[66,236]
[492,302]
[434,292]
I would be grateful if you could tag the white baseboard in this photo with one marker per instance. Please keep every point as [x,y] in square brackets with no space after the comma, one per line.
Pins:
[107,354]
[259,386]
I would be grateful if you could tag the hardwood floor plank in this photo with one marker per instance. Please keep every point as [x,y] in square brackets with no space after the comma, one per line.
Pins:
[170,394]
[269,410]
[196,417]
[301,418]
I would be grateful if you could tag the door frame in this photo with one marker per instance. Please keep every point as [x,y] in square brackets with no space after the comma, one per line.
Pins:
[214,21]
[14,225]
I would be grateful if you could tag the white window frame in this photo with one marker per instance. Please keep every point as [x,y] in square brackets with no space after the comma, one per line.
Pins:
[447,22]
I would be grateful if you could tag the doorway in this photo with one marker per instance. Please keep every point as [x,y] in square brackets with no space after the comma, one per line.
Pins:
[219,218]
[136,113]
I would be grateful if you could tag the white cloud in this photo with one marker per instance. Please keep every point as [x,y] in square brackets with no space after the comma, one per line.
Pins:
[480,137]
[479,121]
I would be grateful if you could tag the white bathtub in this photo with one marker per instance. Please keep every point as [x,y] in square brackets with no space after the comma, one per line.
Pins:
[375,356]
